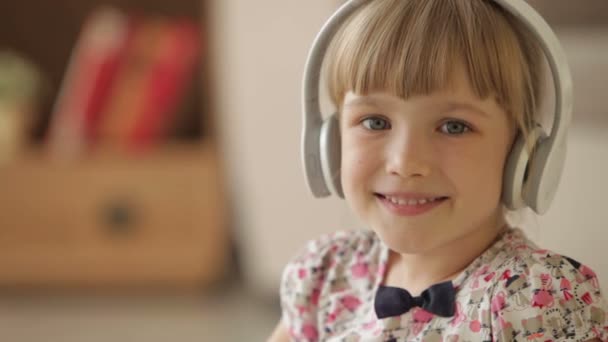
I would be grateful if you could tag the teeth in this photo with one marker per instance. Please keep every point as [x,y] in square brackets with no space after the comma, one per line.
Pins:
[411,201]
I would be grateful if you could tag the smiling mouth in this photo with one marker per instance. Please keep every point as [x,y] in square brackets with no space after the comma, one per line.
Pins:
[411,201]
[410,206]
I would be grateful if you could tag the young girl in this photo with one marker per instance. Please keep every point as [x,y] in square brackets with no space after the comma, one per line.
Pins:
[432,96]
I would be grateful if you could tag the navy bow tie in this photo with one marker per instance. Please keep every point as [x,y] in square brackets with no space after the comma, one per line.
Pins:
[438,299]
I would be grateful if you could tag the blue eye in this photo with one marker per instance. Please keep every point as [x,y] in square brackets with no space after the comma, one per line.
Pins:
[453,127]
[375,123]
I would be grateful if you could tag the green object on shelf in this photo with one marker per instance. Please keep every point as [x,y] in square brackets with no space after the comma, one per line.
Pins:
[20,82]
[19,79]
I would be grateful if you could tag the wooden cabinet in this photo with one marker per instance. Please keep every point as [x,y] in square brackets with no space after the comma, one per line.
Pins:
[114,220]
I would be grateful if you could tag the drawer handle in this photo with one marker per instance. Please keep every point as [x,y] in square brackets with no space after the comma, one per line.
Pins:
[119,218]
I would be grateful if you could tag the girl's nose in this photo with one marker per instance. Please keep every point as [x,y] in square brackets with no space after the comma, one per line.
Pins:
[409,156]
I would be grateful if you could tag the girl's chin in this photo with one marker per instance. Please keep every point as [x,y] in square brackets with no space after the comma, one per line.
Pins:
[408,245]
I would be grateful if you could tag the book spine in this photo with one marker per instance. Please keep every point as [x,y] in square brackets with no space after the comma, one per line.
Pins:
[177,55]
[127,98]
[89,76]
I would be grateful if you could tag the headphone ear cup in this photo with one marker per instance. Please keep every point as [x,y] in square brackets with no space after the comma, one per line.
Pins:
[331,154]
[514,173]
[515,194]
[544,173]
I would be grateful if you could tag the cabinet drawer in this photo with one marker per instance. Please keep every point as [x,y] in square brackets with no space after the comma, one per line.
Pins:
[113,220]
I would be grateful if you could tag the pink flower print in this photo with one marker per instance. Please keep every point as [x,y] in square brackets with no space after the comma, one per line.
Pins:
[489,276]
[543,297]
[566,287]
[498,303]
[459,315]
[475,326]
[477,274]
[360,269]
[540,251]
[421,318]
[350,302]
[587,298]
[310,332]
[589,275]
[314,296]
[506,275]
[302,273]
[524,247]
[483,270]
[545,280]
[334,315]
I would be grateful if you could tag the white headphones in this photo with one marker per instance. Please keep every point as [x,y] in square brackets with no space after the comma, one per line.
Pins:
[528,180]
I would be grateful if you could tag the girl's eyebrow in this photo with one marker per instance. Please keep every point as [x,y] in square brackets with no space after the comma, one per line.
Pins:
[454,106]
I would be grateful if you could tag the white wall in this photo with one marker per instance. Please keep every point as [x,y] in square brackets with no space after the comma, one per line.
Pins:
[576,225]
[260,49]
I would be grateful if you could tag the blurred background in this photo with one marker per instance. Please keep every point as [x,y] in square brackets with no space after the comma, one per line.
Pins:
[150,181]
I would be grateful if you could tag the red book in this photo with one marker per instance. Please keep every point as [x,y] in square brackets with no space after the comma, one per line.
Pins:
[176,58]
[128,94]
[91,71]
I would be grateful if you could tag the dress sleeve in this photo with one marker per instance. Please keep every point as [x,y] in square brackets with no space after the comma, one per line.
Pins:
[550,298]
[301,286]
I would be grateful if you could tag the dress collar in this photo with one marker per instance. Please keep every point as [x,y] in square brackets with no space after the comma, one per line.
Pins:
[506,235]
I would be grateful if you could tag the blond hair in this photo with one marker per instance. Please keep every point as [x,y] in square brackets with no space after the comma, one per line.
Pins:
[410,47]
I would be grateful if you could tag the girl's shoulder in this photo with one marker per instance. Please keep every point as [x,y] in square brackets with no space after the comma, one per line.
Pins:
[520,258]
[538,293]
[338,266]
[514,255]
[341,255]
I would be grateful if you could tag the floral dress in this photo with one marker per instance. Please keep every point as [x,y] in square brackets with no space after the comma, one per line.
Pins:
[514,291]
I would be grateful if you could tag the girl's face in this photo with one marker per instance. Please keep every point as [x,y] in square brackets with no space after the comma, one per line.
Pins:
[425,172]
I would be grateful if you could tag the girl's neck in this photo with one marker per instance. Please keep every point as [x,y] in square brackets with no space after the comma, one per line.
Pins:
[417,272]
